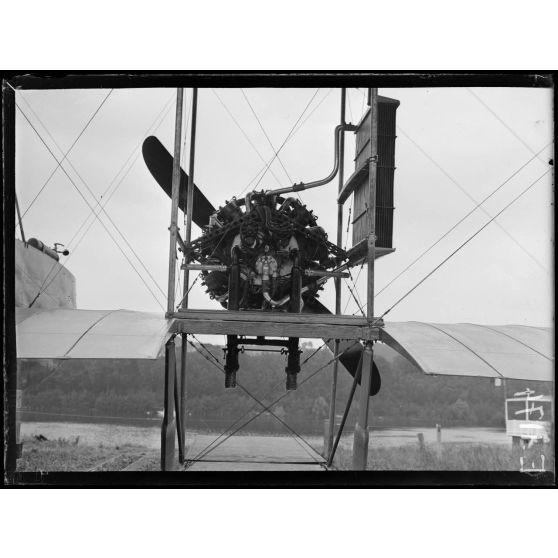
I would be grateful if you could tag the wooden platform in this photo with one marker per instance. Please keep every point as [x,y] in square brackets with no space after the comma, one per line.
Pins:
[273,324]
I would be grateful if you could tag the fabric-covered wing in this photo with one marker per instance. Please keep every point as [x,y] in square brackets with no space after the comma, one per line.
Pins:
[105,334]
[511,351]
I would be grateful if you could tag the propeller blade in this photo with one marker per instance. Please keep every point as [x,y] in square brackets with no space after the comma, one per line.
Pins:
[351,358]
[159,162]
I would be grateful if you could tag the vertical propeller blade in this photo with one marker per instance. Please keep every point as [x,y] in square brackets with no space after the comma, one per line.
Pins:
[159,162]
[351,359]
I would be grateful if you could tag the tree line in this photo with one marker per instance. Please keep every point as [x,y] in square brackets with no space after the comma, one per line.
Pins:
[129,388]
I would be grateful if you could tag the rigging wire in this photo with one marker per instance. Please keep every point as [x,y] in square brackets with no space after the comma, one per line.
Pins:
[464,191]
[264,397]
[90,207]
[308,378]
[492,219]
[517,136]
[269,392]
[356,296]
[21,232]
[135,153]
[355,281]
[460,221]
[289,135]
[61,151]
[245,134]
[266,136]
[216,363]
[292,135]
[188,291]
[311,113]
[99,201]
[165,110]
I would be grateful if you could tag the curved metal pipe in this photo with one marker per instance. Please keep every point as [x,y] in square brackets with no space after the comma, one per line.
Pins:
[306,186]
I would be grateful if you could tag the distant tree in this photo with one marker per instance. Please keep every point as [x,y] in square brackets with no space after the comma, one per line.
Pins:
[460,411]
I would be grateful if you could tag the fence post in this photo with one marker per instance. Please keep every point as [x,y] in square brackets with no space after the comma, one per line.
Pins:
[327,446]
[420,437]
[438,440]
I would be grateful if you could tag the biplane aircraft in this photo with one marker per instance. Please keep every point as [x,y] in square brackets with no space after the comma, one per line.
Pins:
[265,252]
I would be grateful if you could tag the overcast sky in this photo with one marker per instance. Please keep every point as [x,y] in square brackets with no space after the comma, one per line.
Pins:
[495,279]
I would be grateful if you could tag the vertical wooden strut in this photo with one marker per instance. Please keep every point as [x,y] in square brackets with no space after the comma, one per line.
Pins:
[174,202]
[360,443]
[333,393]
[168,427]
[186,282]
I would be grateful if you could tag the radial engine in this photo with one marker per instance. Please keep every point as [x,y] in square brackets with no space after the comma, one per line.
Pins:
[264,252]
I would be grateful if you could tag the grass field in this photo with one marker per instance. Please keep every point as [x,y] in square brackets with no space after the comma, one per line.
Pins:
[451,457]
[69,454]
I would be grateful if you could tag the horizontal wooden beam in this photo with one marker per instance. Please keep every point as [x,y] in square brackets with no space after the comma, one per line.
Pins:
[261,317]
[273,324]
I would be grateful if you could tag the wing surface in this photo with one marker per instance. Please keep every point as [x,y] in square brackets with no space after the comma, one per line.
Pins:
[512,351]
[100,334]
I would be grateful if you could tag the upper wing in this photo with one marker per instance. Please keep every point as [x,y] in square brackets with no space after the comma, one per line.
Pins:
[511,351]
[112,334]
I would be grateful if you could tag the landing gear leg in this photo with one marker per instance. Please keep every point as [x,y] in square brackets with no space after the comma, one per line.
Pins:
[231,361]
[293,358]
[293,363]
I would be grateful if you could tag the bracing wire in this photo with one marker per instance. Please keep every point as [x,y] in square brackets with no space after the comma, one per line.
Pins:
[308,378]
[266,135]
[69,244]
[293,134]
[464,191]
[311,113]
[135,154]
[461,246]
[135,151]
[188,291]
[245,134]
[422,254]
[509,128]
[91,208]
[264,397]
[216,363]
[283,144]
[67,152]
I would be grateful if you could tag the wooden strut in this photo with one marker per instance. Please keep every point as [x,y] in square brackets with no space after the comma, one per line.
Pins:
[345,415]
[168,426]
[333,392]
[172,413]
[186,281]
[360,442]
[174,202]
[171,427]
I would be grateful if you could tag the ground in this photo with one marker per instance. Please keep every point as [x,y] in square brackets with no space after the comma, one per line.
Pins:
[102,447]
